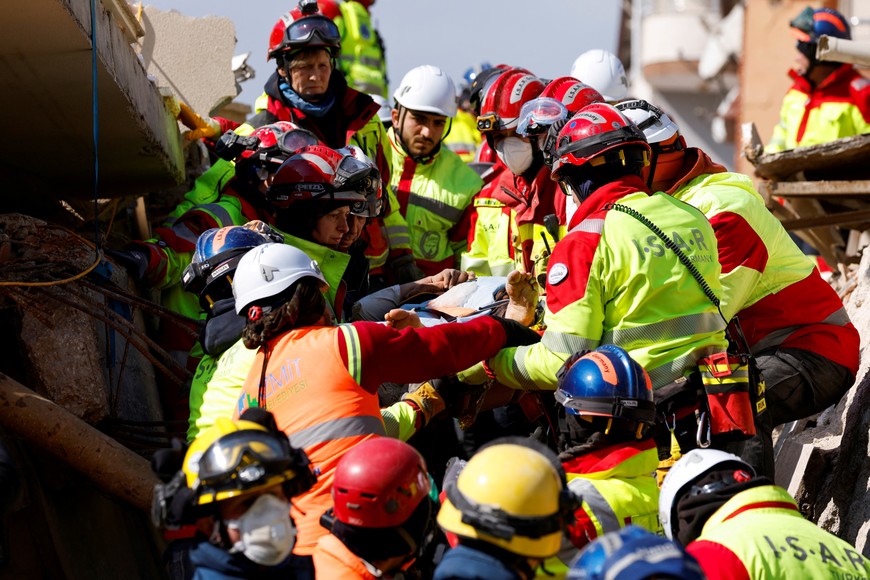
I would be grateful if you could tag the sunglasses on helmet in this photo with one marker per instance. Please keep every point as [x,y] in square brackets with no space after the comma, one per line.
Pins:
[539,114]
[301,32]
[245,458]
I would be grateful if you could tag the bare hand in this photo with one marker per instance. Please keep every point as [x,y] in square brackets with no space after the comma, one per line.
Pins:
[445,280]
[402,319]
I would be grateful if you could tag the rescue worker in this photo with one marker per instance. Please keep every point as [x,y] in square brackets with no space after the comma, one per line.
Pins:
[603,71]
[308,89]
[634,553]
[238,479]
[209,276]
[321,380]
[464,138]
[793,322]
[828,100]
[382,516]
[508,508]
[509,215]
[740,525]
[362,48]
[160,262]
[433,186]
[541,118]
[612,279]
[606,445]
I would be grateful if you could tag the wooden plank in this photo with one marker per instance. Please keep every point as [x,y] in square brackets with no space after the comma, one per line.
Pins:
[856,188]
[840,153]
[839,219]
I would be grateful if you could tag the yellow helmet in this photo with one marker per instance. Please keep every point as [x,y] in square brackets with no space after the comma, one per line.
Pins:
[237,458]
[511,496]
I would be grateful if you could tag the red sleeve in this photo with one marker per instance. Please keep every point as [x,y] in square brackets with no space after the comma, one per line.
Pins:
[739,244]
[582,531]
[717,561]
[568,269]
[416,354]
[859,90]
[462,229]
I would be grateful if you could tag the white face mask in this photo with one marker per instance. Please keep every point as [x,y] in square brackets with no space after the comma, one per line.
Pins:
[267,532]
[515,153]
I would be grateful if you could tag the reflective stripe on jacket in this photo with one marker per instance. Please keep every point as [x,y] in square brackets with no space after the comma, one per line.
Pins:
[612,280]
[318,402]
[433,197]
[768,282]
[618,487]
[362,54]
[214,389]
[838,107]
[759,533]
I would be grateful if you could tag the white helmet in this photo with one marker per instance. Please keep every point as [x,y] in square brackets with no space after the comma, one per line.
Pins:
[428,89]
[270,269]
[384,112]
[654,123]
[603,71]
[691,467]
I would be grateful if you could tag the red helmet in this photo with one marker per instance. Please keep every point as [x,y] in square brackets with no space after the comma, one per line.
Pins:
[379,483]
[503,99]
[274,144]
[572,93]
[304,27]
[319,172]
[593,132]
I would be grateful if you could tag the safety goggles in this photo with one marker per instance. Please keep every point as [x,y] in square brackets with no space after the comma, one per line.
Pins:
[244,458]
[487,122]
[356,177]
[301,32]
[539,114]
[292,141]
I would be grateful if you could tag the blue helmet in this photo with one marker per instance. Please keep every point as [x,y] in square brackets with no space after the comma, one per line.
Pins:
[471,73]
[810,24]
[216,256]
[634,553]
[607,382]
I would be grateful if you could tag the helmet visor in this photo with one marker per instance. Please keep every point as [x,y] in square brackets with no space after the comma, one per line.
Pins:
[537,115]
[292,141]
[244,457]
[301,32]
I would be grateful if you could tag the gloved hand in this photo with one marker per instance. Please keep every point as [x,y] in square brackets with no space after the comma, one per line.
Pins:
[202,127]
[405,269]
[517,334]
[134,261]
[428,399]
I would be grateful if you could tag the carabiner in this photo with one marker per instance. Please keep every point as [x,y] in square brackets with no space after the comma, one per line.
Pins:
[703,444]
[673,424]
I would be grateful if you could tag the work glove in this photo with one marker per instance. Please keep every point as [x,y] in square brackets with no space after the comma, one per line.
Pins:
[134,261]
[517,334]
[201,127]
[427,398]
[405,269]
